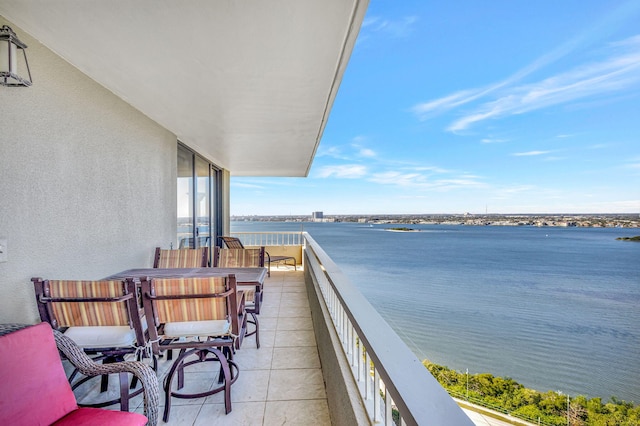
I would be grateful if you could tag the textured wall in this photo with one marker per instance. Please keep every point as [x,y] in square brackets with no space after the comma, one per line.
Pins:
[87,183]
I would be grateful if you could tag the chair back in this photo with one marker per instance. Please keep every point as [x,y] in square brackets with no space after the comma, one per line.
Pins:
[78,303]
[179,300]
[232,242]
[238,258]
[190,299]
[181,258]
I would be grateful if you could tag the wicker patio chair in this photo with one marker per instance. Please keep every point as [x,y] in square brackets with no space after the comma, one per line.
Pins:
[57,395]
[235,243]
[181,258]
[101,317]
[204,319]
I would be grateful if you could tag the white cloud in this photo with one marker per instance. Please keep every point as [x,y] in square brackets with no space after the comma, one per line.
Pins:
[425,182]
[348,152]
[515,191]
[366,152]
[493,140]
[332,151]
[398,178]
[348,171]
[362,151]
[429,109]
[394,27]
[369,21]
[620,71]
[518,189]
[433,169]
[247,185]
[530,153]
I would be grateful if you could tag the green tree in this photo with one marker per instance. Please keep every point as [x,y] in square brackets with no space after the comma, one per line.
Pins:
[550,407]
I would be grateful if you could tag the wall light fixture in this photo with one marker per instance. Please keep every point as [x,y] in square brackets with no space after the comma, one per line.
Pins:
[9,45]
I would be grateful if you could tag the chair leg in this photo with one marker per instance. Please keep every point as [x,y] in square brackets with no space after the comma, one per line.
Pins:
[124,391]
[227,352]
[104,383]
[109,359]
[226,370]
[181,371]
[224,366]
[255,322]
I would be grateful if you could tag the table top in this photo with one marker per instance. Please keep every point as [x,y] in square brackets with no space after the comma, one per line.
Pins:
[243,275]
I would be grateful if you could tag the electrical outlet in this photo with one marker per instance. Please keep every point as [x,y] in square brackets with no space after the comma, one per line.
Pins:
[3,250]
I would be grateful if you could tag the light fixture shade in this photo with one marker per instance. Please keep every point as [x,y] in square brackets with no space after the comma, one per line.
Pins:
[9,45]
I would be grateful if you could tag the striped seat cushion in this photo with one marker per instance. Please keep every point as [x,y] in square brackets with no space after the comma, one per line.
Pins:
[69,314]
[181,258]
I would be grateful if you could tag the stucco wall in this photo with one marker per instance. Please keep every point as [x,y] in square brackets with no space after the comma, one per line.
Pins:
[87,183]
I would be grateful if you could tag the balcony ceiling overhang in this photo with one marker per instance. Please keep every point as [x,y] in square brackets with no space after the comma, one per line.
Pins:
[247,84]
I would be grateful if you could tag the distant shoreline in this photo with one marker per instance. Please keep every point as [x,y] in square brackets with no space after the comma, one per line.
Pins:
[559,220]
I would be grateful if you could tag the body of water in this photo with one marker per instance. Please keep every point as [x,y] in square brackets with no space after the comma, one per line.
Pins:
[553,308]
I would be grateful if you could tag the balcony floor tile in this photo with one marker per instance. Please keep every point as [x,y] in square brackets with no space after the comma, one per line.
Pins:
[297,413]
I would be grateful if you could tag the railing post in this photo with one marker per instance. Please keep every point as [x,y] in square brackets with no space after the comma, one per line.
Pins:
[388,408]
[376,396]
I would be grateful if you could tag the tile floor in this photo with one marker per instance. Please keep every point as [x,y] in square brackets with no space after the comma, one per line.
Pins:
[280,383]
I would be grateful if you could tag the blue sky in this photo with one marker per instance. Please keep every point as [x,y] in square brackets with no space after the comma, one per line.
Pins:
[503,106]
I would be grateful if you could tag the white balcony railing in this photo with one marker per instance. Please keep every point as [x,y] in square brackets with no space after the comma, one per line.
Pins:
[270,238]
[389,376]
[392,383]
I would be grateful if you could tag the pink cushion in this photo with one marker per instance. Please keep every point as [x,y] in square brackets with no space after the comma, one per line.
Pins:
[33,384]
[101,417]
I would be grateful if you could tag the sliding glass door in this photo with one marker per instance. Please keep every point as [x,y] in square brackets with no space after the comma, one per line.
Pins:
[198,200]
[185,197]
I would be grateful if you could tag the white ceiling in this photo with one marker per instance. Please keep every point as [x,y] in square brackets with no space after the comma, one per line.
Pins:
[248,84]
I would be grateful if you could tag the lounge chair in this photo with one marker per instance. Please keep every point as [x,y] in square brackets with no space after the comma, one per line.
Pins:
[235,243]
